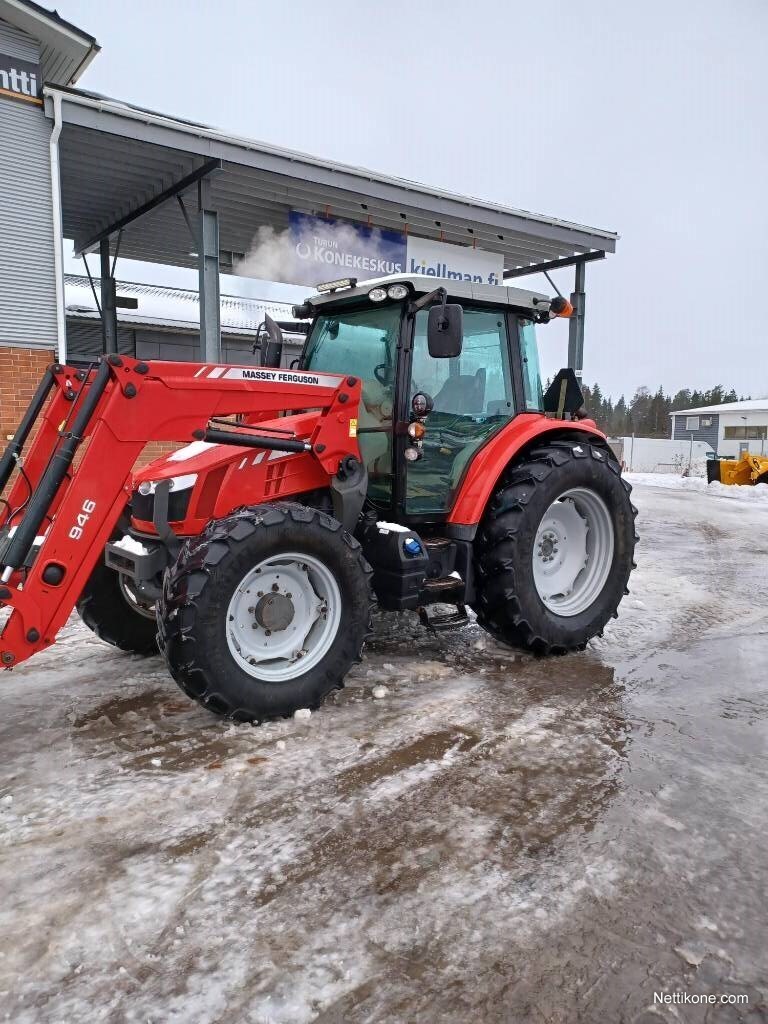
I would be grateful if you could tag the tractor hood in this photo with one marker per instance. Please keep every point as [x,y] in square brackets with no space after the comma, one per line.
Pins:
[202,456]
[210,478]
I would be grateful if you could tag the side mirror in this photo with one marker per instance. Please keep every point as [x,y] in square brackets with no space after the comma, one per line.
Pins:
[445,331]
[271,343]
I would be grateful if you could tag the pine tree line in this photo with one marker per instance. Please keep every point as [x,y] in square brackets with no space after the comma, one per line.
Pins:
[647,415]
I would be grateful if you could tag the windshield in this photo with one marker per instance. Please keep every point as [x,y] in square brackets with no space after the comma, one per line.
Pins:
[362,343]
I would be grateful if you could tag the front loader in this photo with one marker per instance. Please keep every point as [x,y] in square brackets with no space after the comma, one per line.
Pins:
[410,459]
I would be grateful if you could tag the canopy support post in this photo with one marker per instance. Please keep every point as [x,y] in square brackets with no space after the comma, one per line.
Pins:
[108,300]
[576,322]
[208,270]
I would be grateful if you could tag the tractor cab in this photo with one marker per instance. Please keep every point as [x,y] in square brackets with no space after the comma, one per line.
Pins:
[445,366]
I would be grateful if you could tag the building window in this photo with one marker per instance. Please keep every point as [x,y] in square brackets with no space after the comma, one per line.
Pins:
[691,422]
[706,421]
[749,432]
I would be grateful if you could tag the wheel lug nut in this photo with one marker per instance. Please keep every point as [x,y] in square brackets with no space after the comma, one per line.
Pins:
[268,632]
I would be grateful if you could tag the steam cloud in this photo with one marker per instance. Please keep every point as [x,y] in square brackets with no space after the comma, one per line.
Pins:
[273,254]
[271,257]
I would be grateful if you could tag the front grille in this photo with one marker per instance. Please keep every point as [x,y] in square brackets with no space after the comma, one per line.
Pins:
[143,505]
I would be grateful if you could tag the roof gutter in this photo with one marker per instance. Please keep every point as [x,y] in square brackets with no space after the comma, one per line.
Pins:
[58,233]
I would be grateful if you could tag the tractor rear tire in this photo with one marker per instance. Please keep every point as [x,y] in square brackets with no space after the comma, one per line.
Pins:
[523,552]
[259,595]
[105,608]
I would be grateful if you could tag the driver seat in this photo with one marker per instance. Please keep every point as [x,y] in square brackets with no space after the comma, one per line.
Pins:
[462,394]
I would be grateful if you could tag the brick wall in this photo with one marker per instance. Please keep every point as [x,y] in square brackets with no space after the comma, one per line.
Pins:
[20,373]
[154,450]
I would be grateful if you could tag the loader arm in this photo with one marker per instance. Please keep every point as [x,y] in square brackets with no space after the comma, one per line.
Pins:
[117,408]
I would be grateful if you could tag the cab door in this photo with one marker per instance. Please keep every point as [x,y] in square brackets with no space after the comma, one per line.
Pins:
[473,397]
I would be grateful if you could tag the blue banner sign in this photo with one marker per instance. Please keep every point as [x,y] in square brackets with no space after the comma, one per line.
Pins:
[324,249]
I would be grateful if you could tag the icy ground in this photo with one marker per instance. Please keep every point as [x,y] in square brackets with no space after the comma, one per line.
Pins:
[490,838]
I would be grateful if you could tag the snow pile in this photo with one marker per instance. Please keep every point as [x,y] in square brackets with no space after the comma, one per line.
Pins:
[391,528]
[744,492]
[128,543]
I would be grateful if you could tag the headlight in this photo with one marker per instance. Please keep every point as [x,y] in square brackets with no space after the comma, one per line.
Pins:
[397,291]
[412,454]
[377,294]
[176,483]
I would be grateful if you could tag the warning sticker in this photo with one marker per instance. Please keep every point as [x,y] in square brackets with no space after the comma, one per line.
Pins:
[353,428]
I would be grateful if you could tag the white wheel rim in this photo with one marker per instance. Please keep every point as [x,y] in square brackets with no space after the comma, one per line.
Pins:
[573,552]
[283,617]
[126,588]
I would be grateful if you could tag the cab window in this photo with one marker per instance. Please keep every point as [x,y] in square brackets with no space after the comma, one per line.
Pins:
[364,344]
[473,399]
[529,354]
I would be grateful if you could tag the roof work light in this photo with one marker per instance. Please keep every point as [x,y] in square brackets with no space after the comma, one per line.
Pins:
[335,286]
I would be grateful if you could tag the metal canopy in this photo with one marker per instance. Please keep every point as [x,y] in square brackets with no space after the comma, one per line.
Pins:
[117,159]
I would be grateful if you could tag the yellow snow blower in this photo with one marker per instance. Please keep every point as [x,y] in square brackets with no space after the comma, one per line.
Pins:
[747,469]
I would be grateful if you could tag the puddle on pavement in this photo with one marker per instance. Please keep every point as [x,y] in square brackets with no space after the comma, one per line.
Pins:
[431,747]
[157,732]
[149,704]
[189,844]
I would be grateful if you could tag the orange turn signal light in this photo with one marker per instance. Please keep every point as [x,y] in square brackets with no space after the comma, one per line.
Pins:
[560,307]
[416,430]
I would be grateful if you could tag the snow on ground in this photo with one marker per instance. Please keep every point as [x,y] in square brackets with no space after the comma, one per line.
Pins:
[736,492]
[462,833]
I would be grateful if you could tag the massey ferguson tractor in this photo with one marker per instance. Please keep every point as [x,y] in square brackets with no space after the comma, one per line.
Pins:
[410,459]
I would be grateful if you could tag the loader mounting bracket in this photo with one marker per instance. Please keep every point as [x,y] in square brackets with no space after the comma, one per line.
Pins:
[348,490]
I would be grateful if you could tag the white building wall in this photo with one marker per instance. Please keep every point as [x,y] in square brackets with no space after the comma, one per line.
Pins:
[27,276]
[740,422]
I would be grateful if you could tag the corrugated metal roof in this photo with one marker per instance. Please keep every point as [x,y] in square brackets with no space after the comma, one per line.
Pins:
[115,157]
[173,308]
[750,405]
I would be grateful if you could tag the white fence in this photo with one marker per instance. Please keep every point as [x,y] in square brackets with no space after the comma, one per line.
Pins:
[661,455]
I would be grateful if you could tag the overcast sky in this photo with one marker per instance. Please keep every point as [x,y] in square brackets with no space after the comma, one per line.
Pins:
[647,119]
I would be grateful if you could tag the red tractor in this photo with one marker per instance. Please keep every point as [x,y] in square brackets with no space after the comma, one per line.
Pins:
[410,458]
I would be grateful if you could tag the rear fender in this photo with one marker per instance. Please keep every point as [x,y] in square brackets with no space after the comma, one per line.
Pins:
[506,447]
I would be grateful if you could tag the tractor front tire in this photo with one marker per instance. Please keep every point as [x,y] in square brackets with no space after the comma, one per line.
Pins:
[266,611]
[551,573]
[105,608]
